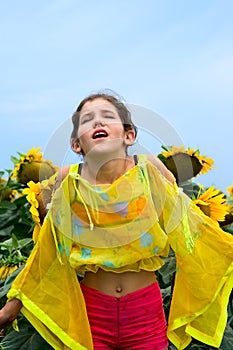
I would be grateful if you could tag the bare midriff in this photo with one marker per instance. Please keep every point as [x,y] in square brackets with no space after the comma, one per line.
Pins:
[118,284]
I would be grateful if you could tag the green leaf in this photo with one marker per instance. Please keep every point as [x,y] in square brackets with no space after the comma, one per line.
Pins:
[166,148]
[22,230]
[5,233]
[8,205]
[190,188]
[8,282]
[6,245]
[229,229]
[9,218]
[167,272]
[13,245]
[14,160]
[26,339]
[227,342]
[21,200]
[162,158]
[14,241]
[9,171]
[24,242]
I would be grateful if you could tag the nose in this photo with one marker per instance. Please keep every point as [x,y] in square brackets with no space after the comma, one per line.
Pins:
[98,121]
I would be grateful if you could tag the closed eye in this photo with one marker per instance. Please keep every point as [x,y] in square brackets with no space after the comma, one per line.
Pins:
[109,116]
[86,119]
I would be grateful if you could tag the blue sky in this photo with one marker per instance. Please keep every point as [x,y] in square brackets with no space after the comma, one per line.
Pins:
[172,57]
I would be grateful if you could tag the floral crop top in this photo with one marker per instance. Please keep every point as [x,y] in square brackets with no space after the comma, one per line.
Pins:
[118,226]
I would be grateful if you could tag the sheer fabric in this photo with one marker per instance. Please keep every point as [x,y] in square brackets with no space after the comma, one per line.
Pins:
[126,226]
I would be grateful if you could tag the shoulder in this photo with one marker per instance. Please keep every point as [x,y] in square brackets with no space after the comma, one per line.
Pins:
[62,173]
[161,167]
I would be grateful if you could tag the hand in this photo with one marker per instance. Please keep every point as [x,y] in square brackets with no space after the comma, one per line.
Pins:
[9,312]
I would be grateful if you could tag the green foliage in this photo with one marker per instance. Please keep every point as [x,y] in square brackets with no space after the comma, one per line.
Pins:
[26,339]
[5,285]
[15,232]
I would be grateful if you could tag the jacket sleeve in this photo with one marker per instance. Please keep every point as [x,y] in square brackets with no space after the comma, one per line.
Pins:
[50,293]
[204,265]
[204,277]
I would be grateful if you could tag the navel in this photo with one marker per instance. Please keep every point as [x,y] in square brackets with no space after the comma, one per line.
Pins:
[118,289]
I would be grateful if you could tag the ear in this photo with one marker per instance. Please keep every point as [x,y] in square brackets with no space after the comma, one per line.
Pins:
[76,146]
[129,137]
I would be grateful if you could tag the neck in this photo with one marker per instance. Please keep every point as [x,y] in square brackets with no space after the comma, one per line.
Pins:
[106,171]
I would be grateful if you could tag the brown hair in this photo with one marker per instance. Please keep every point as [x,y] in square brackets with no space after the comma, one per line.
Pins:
[122,110]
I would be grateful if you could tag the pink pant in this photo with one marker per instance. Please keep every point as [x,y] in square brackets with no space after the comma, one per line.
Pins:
[133,322]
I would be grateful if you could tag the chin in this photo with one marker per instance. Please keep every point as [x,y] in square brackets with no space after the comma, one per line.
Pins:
[100,152]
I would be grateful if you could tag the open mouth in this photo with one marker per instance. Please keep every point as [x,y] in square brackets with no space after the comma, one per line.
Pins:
[99,134]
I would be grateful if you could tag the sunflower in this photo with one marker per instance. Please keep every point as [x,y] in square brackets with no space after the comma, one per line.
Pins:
[9,265]
[185,164]
[213,203]
[6,271]
[32,192]
[230,191]
[39,195]
[7,193]
[32,166]
[228,222]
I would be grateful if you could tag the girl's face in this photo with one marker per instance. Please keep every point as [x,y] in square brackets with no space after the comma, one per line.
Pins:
[101,129]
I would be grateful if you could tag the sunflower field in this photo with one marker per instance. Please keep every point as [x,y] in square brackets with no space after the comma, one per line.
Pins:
[25,193]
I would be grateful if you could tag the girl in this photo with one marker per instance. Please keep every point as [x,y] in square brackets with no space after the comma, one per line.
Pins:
[111,220]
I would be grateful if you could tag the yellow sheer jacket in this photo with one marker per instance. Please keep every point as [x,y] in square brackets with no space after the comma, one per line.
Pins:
[128,225]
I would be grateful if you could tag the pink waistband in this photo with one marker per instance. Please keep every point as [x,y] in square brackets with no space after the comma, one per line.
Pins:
[128,297]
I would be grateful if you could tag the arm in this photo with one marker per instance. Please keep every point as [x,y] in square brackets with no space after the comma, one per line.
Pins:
[63,172]
[162,168]
[9,312]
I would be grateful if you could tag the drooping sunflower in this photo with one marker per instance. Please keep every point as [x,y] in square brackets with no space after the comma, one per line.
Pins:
[185,164]
[213,203]
[32,166]
[39,195]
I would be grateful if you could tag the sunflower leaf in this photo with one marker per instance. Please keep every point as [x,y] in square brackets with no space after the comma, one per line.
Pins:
[14,160]
[26,339]
[15,243]
[8,205]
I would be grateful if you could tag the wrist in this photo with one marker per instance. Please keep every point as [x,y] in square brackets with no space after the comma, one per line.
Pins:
[11,309]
